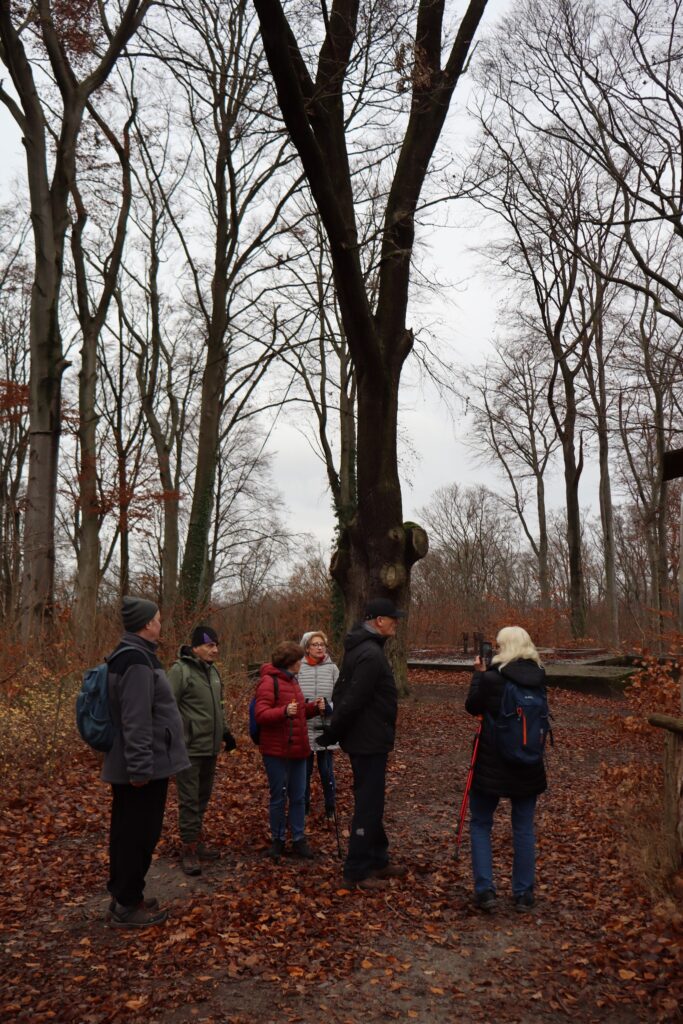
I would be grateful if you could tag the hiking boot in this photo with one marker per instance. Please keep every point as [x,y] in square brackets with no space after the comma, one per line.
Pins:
[277,849]
[189,860]
[368,884]
[300,848]
[151,903]
[391,871]
[486,900]
[524,902]
[136,917]
[207,852]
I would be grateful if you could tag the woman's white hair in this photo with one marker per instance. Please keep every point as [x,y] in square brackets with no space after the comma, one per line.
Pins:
[515,643]
[307,637]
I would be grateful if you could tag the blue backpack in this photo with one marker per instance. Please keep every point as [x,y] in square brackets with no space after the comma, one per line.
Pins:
[254,727]
[93,715]
[523,724]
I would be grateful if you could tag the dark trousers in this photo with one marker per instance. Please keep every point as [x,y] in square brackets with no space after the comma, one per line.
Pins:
[326,771]
[137,815]
[194,786]
[368,843]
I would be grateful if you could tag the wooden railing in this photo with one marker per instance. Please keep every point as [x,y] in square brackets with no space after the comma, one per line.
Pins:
[673,786]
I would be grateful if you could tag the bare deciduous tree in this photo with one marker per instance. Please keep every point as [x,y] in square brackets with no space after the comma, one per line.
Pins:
[314,83]
[54,56]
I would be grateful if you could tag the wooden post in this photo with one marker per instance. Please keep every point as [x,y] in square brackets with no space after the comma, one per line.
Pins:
[673,787]
[680,577]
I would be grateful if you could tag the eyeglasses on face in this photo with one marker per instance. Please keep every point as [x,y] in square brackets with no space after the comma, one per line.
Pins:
[317,643]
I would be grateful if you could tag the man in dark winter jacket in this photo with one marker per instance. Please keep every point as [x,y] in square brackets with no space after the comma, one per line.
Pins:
[494,777]
[148,748]
[364,721]
[197,689]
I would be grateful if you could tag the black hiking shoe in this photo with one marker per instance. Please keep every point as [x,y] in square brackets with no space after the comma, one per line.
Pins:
[189,859]
[207,852]
[136,917]
[300,848]
[524,902]
[277,849]
[369,884]
[486,900]
[151,903]
[390,871]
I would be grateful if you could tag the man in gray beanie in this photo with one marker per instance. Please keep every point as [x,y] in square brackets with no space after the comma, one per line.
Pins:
[148,748]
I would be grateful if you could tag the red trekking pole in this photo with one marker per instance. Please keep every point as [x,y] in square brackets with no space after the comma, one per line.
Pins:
[468,786]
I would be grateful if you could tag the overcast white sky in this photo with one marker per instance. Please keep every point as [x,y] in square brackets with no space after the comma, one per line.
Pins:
[434,453]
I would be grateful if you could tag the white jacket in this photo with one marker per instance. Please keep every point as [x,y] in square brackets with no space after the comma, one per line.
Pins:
[318,681]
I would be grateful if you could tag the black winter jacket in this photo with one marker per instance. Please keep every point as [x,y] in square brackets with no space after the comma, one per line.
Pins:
[491,773]
[365,696]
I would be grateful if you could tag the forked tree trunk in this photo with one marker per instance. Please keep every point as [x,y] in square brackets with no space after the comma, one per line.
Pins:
[376,549]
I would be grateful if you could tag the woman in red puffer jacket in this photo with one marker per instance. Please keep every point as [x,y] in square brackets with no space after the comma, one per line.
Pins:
[281,714]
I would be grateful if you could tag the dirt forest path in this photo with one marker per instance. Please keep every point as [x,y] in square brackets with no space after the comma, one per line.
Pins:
[254,942]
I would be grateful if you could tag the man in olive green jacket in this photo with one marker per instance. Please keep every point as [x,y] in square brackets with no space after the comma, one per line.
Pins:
[197,689]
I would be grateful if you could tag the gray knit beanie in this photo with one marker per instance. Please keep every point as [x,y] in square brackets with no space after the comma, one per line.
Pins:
[136,612]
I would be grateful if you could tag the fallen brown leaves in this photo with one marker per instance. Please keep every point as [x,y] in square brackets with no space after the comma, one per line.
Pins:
[251,940]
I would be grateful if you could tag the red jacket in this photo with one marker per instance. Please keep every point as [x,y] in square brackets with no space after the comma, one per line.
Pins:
[281,736]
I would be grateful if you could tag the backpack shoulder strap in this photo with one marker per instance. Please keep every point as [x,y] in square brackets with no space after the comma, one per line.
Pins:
[128,647]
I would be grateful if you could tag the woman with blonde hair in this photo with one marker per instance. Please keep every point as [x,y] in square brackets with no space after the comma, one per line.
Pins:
[317,676]
[518,661]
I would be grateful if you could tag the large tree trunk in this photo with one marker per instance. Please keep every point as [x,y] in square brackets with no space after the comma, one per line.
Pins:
[543,570]
[376,550]
[48,217]
[89,533]
[193,583]
[91,327]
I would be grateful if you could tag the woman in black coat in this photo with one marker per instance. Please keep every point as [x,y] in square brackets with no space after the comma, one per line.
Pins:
[518,660]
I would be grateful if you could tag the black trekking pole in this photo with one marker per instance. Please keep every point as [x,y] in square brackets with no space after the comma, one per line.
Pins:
[288,770]
[340,853]
[468,786]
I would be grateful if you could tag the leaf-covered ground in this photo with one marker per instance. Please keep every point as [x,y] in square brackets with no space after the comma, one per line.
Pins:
[250,941]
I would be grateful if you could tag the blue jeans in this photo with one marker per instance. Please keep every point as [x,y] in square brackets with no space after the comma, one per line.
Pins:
[482,809]
[287,780]
[326,771]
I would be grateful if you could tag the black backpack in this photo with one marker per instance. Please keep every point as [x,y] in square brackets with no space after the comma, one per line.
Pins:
[523,724]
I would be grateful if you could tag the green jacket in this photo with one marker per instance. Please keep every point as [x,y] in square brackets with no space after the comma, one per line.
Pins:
[198,692]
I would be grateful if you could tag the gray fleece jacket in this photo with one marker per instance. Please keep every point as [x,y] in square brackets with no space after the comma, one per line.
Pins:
[149,736]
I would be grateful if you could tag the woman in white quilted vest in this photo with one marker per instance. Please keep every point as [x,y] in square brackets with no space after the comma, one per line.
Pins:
[317,677]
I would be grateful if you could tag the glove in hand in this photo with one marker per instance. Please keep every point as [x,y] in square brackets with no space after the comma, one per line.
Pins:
[230,741]
[325,737]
